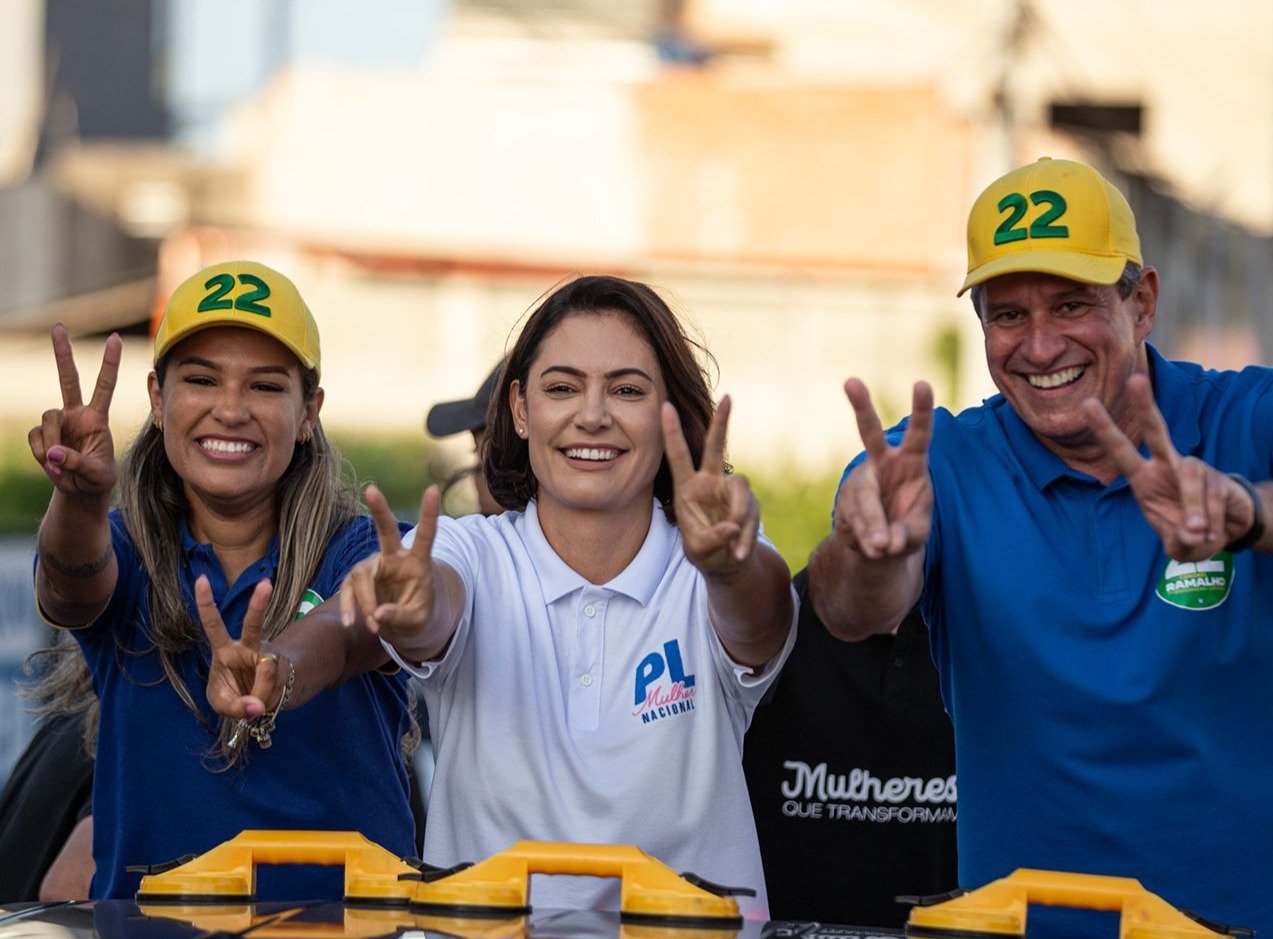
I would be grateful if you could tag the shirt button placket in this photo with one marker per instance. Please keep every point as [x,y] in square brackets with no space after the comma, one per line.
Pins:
[590,635]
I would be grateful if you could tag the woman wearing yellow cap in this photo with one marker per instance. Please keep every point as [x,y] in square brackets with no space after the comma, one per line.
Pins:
[230,500]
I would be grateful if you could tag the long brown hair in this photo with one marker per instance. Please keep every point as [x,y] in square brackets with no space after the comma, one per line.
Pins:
[682,360]
[63,685]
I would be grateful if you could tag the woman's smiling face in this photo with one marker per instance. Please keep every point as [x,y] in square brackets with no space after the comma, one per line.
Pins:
[232,408]
[590,414]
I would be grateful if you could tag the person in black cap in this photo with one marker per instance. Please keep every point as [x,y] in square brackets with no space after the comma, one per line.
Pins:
[452,417]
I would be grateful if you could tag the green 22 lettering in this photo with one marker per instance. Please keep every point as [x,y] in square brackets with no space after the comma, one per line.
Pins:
[220,286]
[1014,203]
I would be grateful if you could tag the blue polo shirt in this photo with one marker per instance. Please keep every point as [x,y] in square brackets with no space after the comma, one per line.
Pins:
[1110,707]
[334,763]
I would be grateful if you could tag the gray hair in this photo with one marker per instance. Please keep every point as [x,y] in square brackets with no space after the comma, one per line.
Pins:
[1125,284]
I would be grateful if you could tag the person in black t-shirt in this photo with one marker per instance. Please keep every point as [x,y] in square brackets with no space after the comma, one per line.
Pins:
[851,769]
[47,798]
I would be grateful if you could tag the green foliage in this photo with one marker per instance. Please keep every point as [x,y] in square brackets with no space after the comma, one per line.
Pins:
[946,352]
[24,495]
[795,507]
[401,466]
[24,489]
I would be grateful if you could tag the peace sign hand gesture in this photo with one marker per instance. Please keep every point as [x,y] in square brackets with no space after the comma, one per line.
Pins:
[1195,509]
[717,514]
[242,680]
[394,589]
[885,507]
[73,443]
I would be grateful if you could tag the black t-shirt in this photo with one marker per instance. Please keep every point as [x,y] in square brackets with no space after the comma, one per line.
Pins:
[850,764]
[48,792]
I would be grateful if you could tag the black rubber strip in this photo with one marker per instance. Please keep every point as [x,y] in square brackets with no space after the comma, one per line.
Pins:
[685,922]
[200,899]
[477,912]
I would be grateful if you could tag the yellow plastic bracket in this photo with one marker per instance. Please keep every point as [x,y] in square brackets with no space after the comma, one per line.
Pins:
[228,872]
[650,890]
[999,908]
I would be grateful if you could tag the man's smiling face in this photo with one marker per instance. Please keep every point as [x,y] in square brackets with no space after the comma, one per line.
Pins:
[1052,343]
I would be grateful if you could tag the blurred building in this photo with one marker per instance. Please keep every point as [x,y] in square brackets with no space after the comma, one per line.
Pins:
[793,174]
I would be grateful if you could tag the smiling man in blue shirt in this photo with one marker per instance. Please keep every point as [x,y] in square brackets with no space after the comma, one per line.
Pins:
[1092,563]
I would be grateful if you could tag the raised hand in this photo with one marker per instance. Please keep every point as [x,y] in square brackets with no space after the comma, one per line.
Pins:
[1195,509]
[243,680]
[393,589]
[717,514]
[73,443]
[885,507]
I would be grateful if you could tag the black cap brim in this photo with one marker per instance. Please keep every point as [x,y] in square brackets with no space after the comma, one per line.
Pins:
[452,417]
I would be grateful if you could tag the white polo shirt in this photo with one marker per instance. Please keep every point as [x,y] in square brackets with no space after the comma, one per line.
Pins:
[566,711]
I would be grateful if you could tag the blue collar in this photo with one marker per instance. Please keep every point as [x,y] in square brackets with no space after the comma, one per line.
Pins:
[202,559]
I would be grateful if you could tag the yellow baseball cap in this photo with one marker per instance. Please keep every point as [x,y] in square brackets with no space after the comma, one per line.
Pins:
[1054,217]
[240,293]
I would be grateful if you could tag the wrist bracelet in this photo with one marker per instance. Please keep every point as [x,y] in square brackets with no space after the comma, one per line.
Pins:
[1256,531]
[260,728]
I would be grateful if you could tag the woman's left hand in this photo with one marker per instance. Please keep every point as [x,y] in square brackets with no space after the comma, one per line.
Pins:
[243,679]
[716,512]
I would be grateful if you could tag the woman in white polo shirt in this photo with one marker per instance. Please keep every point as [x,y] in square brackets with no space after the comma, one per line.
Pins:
[591,657]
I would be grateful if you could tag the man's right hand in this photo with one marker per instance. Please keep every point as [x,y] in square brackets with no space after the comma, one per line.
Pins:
[867,574]
[884,508]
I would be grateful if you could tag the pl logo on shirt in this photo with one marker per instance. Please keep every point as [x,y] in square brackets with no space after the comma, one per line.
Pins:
[662,688]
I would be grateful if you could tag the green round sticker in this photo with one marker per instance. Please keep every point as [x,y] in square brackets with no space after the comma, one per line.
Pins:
[309,600]
[1197,585]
